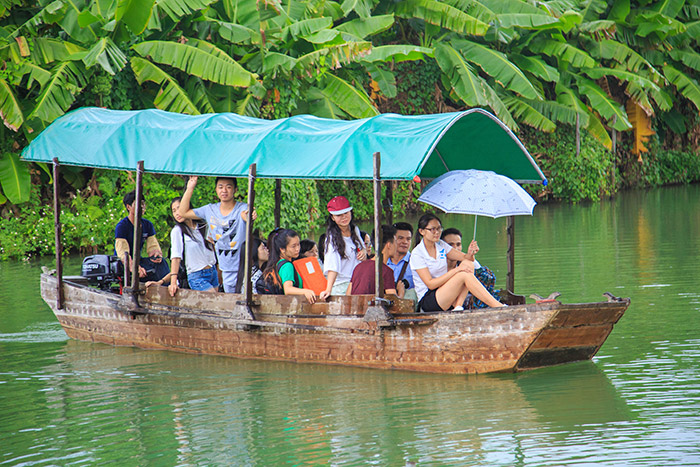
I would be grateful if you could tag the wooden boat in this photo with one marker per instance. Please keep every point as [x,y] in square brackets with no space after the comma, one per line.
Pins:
[370,331]
[513,338]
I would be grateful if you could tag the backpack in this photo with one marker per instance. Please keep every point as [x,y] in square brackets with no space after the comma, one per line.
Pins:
[269,287]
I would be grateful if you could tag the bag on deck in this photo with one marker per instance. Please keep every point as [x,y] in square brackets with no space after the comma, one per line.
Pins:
[266,284]
[311,274]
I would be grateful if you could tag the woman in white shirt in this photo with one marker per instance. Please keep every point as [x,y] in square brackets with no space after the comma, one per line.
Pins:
[188,241]
[437,288]
[343,247]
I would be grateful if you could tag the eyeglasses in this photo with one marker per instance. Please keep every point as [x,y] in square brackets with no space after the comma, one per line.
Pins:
[434,229]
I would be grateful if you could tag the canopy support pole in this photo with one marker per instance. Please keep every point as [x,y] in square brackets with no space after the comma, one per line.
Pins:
[136,254]
[389,202]
[60,299]
[278,201]
[243,308]
[378,277]
[377,311]
[248,285]
[510,232]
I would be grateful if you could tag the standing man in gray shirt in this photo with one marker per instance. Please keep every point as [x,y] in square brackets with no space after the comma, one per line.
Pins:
[226,225]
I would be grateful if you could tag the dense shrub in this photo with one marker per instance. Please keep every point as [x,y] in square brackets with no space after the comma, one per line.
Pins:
[587,177]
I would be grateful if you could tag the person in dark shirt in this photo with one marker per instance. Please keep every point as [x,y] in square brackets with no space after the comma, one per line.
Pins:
[151,268]
[362,281]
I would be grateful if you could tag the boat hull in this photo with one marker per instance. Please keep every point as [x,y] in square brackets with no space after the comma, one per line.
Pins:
[512,338]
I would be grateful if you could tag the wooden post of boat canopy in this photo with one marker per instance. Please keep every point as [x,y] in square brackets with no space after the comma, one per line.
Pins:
[57,228]
[136,254]
[378,276]
[247,284]
[510,232]
[376,312]
[278,201]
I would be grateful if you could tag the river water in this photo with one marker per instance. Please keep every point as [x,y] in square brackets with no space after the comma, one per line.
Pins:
[64,402]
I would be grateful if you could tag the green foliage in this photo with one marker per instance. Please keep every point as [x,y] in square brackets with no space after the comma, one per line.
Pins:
[299,208]
[666,167]
[586,177]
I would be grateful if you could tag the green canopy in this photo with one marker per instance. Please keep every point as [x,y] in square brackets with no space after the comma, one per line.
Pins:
[302,146]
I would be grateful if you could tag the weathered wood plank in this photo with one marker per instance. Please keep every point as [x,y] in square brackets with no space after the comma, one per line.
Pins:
[572,337]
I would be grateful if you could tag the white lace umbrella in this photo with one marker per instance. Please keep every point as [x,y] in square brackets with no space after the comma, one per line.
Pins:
[478,192]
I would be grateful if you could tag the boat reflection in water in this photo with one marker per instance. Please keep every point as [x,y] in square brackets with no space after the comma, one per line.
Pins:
[126,404]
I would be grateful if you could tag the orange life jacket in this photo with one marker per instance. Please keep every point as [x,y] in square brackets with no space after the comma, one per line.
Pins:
[311,274]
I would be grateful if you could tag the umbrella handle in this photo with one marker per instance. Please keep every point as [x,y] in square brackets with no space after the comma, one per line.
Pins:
[475,218]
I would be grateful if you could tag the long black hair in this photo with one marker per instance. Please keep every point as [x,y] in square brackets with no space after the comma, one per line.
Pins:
[201,226]
[335,237]
[423,223]
[275,246]
[255,258]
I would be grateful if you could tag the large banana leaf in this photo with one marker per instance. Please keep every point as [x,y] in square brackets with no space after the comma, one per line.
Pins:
[558,112]
[304,28]
[563,51]
[384,78]
[10,110]
[523,111]
[14,178]
[465,82]
[613,50]
[105,53]
[349,98]
[612,111]
[498,107]
[237,33]
[639,88]
[657,25]
[689,57]
[622,75]
[333,56]
[320,105]
[361,28]
[537,67]
[177,9]
[196,89]
[35,73]
[529,21]
[497,65]
[171,96]
[567,97]
[397,53]
[134,13]
[596,128]
[669,8]
[687,86]
[47,50]
[443,15]
[363,8]
[57,95]
[197,61]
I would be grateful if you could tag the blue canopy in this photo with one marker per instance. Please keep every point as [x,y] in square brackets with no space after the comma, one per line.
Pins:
[302,146]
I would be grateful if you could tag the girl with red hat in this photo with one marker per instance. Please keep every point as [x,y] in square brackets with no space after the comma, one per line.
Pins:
[343,247]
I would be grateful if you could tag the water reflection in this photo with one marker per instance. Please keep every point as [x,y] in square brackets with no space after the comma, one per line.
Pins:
[135,406]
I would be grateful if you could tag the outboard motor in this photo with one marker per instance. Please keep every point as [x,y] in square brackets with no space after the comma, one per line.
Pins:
[103,272]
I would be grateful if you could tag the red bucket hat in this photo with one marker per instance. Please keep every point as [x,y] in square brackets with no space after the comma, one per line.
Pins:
[339,205]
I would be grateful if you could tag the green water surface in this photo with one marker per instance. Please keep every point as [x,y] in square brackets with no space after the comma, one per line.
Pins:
[64,402]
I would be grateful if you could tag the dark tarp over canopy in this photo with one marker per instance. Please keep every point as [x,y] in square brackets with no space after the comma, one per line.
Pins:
[302,146]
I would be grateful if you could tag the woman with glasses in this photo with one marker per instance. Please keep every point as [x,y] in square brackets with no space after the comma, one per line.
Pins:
[437,288]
